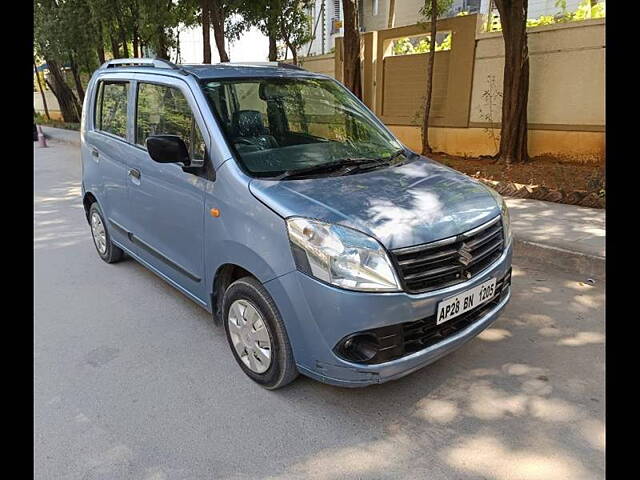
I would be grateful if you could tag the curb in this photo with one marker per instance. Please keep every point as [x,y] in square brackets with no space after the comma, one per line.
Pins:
[62,136]
[580,198]
[573,262]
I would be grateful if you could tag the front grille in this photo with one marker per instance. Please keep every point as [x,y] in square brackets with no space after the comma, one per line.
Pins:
[425,332]
[396,341]
[450,261]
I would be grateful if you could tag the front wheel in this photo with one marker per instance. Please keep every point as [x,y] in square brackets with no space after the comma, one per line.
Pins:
[101,239]
[257,335]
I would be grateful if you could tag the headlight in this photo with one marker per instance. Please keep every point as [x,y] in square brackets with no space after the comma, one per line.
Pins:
[341,256]
[506,220]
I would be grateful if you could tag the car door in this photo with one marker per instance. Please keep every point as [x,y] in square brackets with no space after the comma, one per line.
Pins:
[105,150]
[166,203]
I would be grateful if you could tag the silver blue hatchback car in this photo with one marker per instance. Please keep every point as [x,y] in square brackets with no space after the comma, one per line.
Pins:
[276,200]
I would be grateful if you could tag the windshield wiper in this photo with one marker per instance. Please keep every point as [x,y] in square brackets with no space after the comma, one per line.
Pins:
[343,166]
[374,163]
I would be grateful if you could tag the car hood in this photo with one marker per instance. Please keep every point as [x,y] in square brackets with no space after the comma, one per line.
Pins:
[417,202]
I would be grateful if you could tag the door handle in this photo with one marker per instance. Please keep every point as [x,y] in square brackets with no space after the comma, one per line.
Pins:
[95,153]
[135,173]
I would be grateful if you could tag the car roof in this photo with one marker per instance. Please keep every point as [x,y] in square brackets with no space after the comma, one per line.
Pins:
[220,70]
[239,70]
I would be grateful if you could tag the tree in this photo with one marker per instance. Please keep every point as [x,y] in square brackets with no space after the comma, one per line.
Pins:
[284,20]
[218,12]
[431,10]
[44,98]
[206,42]
[295,25]
[352,58]
[391,18]
[515,95]
[51,40]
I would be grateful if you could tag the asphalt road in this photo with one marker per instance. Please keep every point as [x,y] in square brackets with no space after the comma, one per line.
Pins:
[133,381]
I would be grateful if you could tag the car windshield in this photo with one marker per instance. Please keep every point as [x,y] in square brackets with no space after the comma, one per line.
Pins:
[278,126]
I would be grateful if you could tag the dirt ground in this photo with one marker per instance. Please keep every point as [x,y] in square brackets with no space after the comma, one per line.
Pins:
[539,171]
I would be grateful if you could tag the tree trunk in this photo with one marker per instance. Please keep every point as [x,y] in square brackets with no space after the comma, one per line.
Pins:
[125,47]
[100,47]
[136,44]
[101,56]
[273,49]
[206,40]
[69,106]
[123,31]
[44,98]
[76,78]
[162,45]
[515,95]
[426,147]
[115,51]
[391,19]
[217,21]
[351,42]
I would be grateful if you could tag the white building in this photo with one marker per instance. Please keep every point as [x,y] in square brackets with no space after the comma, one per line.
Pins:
[327,18]
[326,22]
[374,14]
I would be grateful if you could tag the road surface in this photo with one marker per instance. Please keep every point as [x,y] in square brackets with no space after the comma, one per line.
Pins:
[133,381]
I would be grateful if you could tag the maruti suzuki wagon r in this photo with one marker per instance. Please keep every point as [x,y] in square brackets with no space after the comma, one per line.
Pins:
[272,197]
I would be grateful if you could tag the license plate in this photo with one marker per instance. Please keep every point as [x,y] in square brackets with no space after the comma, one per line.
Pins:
[465,301]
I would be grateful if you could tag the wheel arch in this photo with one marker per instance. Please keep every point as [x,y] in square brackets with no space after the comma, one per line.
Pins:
[225,275]
[88,200]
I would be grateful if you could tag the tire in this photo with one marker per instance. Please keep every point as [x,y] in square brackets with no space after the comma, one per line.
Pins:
[248,293]
[105,248]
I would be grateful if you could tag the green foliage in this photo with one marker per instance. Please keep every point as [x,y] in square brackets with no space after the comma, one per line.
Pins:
[542,20]
[442,7]
[41,119]
[285,20]
[408,46]
[584,12]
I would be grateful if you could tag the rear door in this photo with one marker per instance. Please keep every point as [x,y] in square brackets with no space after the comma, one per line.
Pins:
[166,203]
[106,140]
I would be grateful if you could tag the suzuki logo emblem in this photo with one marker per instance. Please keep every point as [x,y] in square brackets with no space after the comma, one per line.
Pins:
[464,253]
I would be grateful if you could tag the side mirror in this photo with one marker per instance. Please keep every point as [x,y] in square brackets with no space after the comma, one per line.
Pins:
[168,149]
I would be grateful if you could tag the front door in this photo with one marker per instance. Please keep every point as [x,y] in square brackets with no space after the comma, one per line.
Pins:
[166,203]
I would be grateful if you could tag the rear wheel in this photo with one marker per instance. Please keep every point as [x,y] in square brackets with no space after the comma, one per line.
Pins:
[101,239]
[257,335]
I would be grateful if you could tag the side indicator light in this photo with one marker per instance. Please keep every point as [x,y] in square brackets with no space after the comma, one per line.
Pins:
[214,212]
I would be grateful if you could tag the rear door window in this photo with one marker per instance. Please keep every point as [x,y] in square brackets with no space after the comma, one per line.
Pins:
[163,110]
[111,108]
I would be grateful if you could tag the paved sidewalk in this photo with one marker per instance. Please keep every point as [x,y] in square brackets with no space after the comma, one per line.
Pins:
[562,226]
[570,237]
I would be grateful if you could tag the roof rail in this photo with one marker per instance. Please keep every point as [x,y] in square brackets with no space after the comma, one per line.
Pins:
[267,64]
[144,62]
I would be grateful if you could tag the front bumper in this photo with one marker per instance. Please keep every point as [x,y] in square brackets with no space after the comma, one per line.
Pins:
[318,316]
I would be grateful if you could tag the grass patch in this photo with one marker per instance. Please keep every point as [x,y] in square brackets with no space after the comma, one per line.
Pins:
[42,120]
